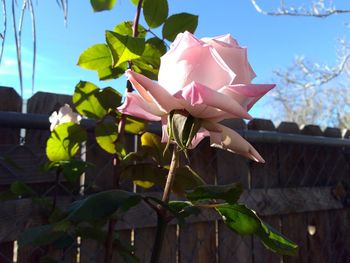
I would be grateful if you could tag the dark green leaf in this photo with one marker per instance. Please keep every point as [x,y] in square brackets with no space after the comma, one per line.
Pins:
[134,125]
[109,98]
[229,193]
[145,175]
[151,143]
[155,12]
[64,141]
[96,57]
[91,232]
[125,28]
[276,242]
[239,218]
[101,5]
[20,188]
[179,23]
[124,48]
[73,169]
[102,205]
[39,236]
[158,44]
[86,102]
[183,128]
[7,195]
[106,135]
[186,179]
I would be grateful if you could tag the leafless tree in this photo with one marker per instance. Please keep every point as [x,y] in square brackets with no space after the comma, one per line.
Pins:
[310,92]
[26,6]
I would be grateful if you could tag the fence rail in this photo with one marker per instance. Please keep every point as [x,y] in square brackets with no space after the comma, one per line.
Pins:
[303,190]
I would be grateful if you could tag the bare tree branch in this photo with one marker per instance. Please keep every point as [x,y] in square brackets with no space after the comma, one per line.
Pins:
[3,34]
[317,9]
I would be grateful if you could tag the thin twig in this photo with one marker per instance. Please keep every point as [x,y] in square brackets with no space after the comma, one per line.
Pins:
[32,14]
[3,34]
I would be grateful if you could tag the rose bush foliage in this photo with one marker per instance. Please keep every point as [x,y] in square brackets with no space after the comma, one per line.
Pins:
[210,78]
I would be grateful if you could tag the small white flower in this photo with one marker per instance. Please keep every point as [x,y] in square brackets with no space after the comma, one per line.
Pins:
[65,114]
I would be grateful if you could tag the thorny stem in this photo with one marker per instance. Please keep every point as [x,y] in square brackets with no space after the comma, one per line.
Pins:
[162,219]
[121,132]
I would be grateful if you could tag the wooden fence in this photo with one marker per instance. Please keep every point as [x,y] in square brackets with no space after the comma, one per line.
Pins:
[302,190]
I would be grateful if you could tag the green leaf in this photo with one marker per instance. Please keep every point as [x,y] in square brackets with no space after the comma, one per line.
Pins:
[183,128]
[135,2]
[109,98]
[186,179]
[125,28]
[179,23]
[151,143]
[39,236]
[124,48]
[106,135]
[73,169]
[64,141]
[86,101]
[229,193]
[101,5]
[134,125]
[112,73]
[20,188]
[155,12]
[239,218]
[102,205]
[158,44]
[244,221]
[146,69]
[276,242]
[145,175]
[96,57]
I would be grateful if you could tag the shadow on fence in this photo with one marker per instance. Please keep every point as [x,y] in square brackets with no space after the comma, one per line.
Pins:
[302,190]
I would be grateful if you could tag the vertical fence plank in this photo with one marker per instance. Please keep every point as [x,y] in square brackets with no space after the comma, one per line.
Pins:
[35,141]
[198,240]
[291,172]
[265,176]
[9,101]
[314,158]
[337,168]
[233,168]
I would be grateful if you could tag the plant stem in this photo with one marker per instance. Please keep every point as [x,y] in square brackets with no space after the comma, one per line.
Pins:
[121,134]
[171,175]
[162,220]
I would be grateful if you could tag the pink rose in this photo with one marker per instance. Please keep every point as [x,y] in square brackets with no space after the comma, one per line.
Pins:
[209,78]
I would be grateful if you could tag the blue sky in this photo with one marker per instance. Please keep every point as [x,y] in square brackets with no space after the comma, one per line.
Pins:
[272,42]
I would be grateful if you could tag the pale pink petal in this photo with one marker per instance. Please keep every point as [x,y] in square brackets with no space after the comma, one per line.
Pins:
[234,56]
[134,105]
[199,96]
[246,94]
[160,96]
[231,141]
[193,60]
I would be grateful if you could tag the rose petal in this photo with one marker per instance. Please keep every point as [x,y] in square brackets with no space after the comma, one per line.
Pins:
[198,95]
[246,94]
[149,89]
[134,105]
[193,60]
[231,141]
